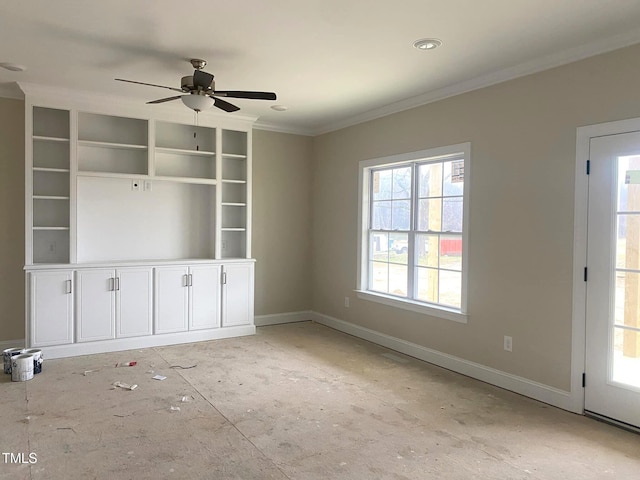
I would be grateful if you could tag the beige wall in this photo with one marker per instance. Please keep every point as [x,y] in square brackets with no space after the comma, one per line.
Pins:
[11,219]
[522,135]
[281,222]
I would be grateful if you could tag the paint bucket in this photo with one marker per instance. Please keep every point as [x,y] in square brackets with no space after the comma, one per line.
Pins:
[22,368]
[37,359]
[7,356]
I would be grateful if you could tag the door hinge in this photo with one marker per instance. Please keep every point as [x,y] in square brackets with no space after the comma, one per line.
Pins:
[584,379]
[588,167]
[585,274]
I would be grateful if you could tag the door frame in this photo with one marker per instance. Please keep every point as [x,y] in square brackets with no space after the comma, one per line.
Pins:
[581,198]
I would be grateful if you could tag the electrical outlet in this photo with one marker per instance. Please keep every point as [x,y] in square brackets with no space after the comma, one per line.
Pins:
[148,186]
[224,245]
[508,343]
[135,185]
[52,247]
[346,302]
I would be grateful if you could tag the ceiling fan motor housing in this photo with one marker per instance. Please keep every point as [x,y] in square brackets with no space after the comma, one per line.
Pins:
[186,83]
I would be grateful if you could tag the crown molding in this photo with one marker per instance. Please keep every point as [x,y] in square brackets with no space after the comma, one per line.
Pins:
[272,127]
[527,68]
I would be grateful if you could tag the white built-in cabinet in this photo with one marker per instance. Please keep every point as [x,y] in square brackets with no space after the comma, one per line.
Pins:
[137,226]
[51,308]
[113,303]
[187,298]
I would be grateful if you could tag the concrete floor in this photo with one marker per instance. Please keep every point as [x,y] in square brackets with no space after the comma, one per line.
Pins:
[297,401]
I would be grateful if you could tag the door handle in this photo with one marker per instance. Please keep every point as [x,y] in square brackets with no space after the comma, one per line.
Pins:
[191,279]
[67,286]
[224,278]
[112,284]
[117,283]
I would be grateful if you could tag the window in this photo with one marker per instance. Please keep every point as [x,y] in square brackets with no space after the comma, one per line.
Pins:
[413,213]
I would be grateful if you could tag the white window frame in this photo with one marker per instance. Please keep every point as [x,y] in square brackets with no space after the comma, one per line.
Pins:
[364,200]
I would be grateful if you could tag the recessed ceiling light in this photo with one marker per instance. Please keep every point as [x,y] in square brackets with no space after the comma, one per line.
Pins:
[279,108]
[427,43]
[13,67]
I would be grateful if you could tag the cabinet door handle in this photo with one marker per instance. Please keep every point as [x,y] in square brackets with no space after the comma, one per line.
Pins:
[224,278]
[185,277]
[191,279]
[117,283]
[111,285]
[67,286]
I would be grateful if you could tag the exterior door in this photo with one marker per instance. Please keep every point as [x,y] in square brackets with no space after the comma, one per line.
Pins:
[612,382]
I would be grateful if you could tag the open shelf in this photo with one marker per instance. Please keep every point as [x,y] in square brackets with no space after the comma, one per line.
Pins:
[108,129]
[50,183]
[50,246]
[185,138]
[171,164]
[51,123]
[234,243]
[125,159]
[234,143]
[182,151]
[124,146]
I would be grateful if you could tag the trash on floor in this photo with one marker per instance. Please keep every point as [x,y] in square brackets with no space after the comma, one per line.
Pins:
[126,364]
[174,409]
[124,386]
[183,368]
[159,377]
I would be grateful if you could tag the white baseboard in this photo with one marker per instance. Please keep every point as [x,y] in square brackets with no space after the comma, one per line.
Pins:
[278,318]
[544,393]
[4,344]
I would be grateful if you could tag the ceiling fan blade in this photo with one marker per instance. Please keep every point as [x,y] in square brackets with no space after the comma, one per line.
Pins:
[226,106]
[251,95]
[202,79]
[162,100]
[148,84]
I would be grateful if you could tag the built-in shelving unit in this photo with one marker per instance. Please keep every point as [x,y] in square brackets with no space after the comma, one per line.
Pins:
[138,226]
[235,174]
[50,185]
[118,188]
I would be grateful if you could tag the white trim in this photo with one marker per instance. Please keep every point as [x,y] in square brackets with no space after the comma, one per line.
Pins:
[280,318]
[271,127]
[581,197]
[431,154]
[544,393]
[165,339]
[4,344]
[414,306]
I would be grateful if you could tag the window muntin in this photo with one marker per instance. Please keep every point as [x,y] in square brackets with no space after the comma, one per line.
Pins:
[415,230]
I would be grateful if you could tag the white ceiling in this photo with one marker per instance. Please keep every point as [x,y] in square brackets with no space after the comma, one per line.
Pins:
[331,62]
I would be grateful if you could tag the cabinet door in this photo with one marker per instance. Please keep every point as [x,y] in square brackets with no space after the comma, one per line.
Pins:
[95,305]
[237,294]
[171,299]
[133,302]
[205,296]
[50,308]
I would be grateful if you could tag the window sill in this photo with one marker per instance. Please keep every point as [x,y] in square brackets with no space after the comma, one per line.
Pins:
[439,312]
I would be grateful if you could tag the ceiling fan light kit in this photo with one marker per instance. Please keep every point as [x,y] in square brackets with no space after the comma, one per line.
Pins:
[198,91]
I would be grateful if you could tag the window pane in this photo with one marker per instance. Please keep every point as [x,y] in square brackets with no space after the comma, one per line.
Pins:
[452,214]
[626,361]
[399,248]
[427,285]
[379,277]
[379,246]
[453,177]
[381,216]
[427,250]
[398,279]
[450,288]
[430,180]
[451,252]
[402,183]
[401,215]
[381,185]
[429,215]
[627,254]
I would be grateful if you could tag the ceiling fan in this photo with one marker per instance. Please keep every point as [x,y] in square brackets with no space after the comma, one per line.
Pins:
[198,91]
